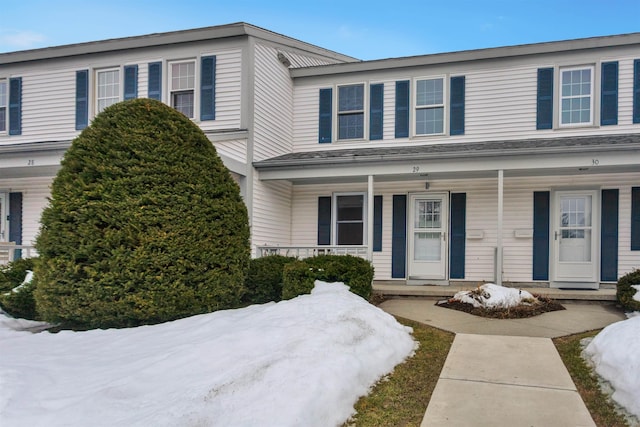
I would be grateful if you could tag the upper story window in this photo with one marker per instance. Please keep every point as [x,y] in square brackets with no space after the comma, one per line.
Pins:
[351,111]
[429,99]
[182,85]
[576,96]
[3,105]
[107,88]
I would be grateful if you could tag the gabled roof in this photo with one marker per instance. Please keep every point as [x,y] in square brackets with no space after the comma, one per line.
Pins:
[449,150]
[237,29]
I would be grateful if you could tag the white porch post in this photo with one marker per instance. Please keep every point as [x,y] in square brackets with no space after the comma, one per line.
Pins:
[499,236]
[370,218]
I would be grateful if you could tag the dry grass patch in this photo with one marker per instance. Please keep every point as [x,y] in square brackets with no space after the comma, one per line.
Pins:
[401,398]
[600,406]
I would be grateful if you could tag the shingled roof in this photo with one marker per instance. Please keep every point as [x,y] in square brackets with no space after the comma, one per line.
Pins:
[578,144]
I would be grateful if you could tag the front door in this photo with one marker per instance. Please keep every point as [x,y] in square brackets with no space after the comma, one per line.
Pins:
[575,238]
[428,236]
[4,212]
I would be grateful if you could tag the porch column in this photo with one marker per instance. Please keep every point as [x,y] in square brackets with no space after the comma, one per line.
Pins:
[370,218]
[499,235]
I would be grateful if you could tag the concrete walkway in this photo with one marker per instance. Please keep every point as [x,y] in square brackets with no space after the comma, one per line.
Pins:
[506,372]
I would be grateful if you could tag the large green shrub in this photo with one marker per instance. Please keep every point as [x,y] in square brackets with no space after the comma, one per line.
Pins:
[355,272]
[625,292]
[264,279]
[19,303]
[144,224]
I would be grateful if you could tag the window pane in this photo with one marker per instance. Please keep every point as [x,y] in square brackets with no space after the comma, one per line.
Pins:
[350,233]
[3,94]
[429,121]
[351,98]
[429,92]
[426,247]
[350,207]
[183,102]
[351,126]
[183,76]
[3,119]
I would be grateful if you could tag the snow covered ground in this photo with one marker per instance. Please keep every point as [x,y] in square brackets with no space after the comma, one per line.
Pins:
[494,296]
[302,362]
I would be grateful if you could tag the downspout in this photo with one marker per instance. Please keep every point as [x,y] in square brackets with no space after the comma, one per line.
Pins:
[499,251]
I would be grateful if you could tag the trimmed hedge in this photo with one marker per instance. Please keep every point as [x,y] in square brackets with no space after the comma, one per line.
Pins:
[355,272]
[624,291]
[19,304]
[264,279]
[144,225]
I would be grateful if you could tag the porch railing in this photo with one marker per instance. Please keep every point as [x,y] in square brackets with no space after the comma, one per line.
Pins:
[10,252]
[309,251]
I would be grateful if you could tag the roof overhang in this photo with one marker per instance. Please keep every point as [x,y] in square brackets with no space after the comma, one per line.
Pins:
[531,157]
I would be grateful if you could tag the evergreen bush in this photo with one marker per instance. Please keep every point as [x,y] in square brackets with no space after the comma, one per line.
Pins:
[144,225]
[355,272]
[264,279]
[19,303]
[625,292]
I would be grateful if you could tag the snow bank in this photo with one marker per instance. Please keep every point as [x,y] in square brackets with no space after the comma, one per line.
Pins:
[493,296]
[615,353]
[302,362]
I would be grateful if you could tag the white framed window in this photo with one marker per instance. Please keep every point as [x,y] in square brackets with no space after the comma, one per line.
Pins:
[107,88]
[351,108]
[182,83]
[576,96]
[350,213]
[429,106]
[4,100]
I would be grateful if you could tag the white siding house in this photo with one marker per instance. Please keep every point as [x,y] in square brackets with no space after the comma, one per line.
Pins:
[517,165]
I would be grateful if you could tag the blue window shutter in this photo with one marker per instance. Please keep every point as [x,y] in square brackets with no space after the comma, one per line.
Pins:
[544,116]
[15,221]
[399,237]
[541,216]
[636,91]
[208,88]
[324,124]
[15,106]
[154,86]
[456,123]
[82,99]
[402,109]
[609,236]
[635,218]
[130,82]
[377,223]
[324,220]
[376,111]
[609,98]
[458,235]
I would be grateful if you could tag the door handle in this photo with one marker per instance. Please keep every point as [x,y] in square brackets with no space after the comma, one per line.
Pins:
[555,235]
[444,236]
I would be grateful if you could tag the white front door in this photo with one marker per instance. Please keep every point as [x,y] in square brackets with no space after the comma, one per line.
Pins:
[4,212]
[575,238]
[428,236]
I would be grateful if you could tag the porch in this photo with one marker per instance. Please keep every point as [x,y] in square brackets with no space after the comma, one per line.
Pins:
[10,252]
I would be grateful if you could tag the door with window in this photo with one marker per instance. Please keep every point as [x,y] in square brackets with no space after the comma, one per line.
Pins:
[428,236]
[575,238]
[4,212]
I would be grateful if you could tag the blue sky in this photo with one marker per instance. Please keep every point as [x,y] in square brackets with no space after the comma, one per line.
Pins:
[363,29]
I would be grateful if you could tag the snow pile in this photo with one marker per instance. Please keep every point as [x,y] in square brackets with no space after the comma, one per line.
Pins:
[299,362]
[494,296]
[615,354]
[636,296]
